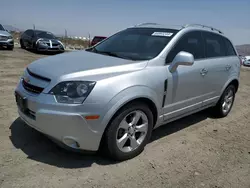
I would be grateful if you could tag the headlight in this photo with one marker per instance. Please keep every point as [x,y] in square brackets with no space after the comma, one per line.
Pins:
[10,37]
[72,92]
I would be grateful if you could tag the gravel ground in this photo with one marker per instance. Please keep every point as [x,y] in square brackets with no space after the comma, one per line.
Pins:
[197,151]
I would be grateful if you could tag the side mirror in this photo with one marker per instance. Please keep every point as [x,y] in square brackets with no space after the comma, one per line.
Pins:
[182,58]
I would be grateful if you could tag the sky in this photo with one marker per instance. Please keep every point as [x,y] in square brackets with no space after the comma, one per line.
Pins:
[99,17]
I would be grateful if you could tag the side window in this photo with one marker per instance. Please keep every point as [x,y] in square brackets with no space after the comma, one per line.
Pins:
[229,48]
[29,33]
[214,45]
[191,42]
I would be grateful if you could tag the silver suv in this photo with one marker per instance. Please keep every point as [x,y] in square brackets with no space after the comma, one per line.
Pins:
[112,95]
[6,39]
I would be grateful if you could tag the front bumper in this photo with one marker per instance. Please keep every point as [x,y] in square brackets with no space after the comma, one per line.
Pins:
[8,43]
[64,123]
[50,49]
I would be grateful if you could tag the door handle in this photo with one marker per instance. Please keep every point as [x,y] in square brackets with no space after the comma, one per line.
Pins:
[203,72]
[228,67]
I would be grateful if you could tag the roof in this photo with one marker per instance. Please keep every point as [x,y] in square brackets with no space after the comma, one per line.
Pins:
[156,25]
[37,30]
[40,31]
[178,27]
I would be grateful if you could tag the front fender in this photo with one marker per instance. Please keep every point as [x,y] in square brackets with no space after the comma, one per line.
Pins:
[128,95]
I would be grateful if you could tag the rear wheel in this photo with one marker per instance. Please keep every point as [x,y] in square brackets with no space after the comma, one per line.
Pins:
[225,103]
[129,131]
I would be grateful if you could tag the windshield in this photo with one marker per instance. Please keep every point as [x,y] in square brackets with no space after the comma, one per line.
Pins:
[136,43]
[43,34]
[1,28]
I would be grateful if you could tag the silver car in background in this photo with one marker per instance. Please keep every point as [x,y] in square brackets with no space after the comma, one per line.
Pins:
[6,39]
[246,62]
[114,94]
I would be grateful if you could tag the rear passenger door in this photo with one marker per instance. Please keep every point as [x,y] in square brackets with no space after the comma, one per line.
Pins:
[217,65]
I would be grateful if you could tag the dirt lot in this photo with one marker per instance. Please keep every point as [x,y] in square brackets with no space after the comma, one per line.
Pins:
[197,151]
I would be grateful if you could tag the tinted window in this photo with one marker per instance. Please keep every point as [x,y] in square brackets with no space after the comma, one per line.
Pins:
[214,45]
[190,42]
[1,28]
[229,48]
[137,43]
[29,32]
[44,34]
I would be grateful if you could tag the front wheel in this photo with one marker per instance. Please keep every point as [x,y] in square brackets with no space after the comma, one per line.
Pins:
[225,103]
[10,48]
[129,131]
[22,44]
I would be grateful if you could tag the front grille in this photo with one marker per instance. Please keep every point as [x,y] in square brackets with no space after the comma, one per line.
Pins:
[38,76]
[3,38]
[31,88]
[53,49]
[30,114]
[55,44]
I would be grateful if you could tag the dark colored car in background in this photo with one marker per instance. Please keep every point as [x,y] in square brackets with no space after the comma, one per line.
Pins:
[41,41]
[97,39]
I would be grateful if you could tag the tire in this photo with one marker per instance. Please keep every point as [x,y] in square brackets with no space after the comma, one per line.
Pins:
[219,111]
[10,48]
[35,49]
[22,45]
[113,132]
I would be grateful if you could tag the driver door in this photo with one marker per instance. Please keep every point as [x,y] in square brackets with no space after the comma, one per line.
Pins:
[185,87]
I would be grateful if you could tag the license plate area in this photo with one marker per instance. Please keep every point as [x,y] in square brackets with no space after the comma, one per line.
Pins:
[21,102]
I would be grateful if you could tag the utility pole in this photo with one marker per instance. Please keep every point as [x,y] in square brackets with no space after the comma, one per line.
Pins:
[89,39]
[65,36]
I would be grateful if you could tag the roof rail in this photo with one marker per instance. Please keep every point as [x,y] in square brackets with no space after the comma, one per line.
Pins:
[203,26]
[146,23]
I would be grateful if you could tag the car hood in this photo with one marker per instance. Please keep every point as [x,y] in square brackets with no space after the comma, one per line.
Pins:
[4,33]
[81,64]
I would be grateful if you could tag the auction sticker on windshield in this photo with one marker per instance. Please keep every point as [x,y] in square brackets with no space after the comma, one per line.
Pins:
[162,34]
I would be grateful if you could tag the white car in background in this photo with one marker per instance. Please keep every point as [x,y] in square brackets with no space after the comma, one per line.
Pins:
[247,61]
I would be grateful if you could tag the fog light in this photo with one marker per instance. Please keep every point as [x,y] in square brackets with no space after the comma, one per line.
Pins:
[71,142]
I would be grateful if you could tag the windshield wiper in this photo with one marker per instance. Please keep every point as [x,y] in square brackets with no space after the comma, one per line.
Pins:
[108,53]
[116,55]
[113,54]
